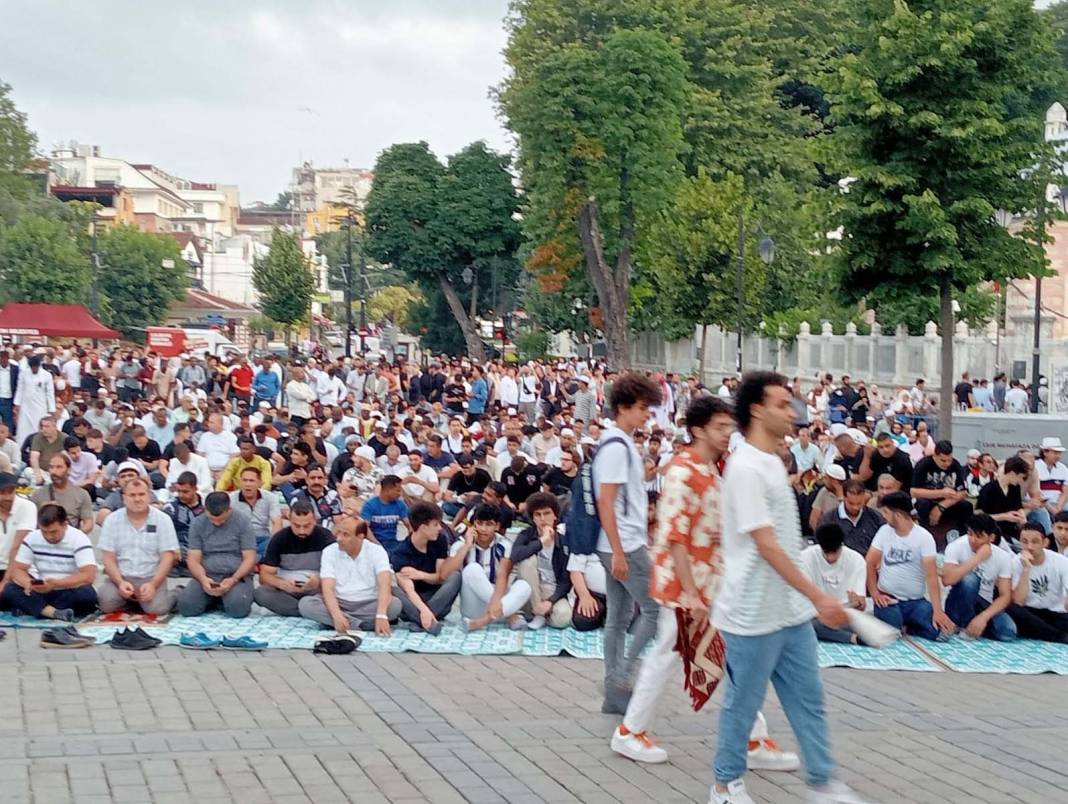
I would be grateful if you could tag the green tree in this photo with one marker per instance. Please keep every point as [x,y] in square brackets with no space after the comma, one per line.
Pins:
[141,275]
[17,144]
[450,227]
[939,117]
[394,303]
[284,281]
[40,262]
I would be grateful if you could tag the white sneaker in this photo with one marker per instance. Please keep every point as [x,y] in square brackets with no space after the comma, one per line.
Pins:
[735,794]
[537,622]
[637,746]
[768,756]
[834,792]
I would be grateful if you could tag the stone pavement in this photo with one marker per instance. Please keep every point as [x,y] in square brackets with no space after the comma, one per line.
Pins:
[174,726]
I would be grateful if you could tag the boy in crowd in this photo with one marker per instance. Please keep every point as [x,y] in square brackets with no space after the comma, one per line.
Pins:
[940,493]
[840,572]
[1039,588]
[485,592]
[52,573]
[1002,497]
[289,569]
[427,578]
[901,568]
[385,511]
[619,485]
[1060,532]
[540,559]
[980,575]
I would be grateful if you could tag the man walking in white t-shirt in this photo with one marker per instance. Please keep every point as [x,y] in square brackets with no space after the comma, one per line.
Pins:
[622,507]
[766,602]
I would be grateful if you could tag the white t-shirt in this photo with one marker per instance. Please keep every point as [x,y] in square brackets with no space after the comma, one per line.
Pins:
[426,474]
[357,578]
[610,465]
[218,448]
[1051,480]
[847,574]
[1049,582]
[47,560]
[591,568]
[753,598]
[23,516]
[500,547]
[901,572]
[72,370]
[999,565]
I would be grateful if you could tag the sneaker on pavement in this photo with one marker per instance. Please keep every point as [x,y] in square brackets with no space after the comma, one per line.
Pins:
[766,755]
[637,746]
[834,792]
[735,794]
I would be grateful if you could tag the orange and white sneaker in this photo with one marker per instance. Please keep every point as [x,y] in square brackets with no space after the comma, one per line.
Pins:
[765,754]
[638,746]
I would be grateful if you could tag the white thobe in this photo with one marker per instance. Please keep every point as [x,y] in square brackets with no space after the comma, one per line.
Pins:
[35,399]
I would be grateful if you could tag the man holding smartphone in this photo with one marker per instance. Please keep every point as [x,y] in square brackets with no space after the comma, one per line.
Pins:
[222,553]
[289,569]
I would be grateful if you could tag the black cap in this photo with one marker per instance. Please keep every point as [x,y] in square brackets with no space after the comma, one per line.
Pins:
[217,503]
[8,480]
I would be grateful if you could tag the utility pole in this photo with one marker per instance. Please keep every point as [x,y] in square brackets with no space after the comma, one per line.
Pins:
[347,276]
[740,279]
[363,301]
[94,267]
[1035,349]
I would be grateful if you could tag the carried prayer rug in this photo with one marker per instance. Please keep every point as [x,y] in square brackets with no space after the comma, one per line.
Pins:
[1022,657]
[899,655]
[9,620]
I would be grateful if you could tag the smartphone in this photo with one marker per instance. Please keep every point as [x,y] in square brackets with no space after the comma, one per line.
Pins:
[298,583]
[36,582]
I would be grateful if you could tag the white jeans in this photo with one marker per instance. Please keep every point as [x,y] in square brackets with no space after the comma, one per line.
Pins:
[476,591]
[660,666]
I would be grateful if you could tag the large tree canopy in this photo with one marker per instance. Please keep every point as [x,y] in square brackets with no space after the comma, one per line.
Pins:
[450,228]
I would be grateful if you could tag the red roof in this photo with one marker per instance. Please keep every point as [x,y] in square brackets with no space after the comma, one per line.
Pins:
[51,320]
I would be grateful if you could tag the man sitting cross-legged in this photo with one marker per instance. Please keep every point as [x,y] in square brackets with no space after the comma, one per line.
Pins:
[980,575]
[222,554]
[486,594]
[427,576]
[901,567]
[356,583]
[53,571]
[289,570]
[540,559]
[839,571]
[139,546]
[1040,586]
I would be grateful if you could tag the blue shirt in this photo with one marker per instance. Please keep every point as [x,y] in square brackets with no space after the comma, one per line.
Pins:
[479,395]
[383,518]
[265,385]
[161,435]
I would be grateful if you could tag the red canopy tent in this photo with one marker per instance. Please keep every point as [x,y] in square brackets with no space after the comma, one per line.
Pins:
[51,320]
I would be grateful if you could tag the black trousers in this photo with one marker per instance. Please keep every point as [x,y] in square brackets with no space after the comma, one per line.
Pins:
[1043,624]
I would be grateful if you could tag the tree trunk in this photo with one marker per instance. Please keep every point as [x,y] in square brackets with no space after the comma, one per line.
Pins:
[613,286]
[702,350]
[475,348]
[945,393]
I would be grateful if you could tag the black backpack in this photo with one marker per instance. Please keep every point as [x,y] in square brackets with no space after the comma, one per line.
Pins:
[583,522]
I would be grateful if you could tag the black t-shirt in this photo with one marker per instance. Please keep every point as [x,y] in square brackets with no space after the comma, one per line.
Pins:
[292,553]
[928,475]
[456,391]
[460,483]
[557,481]
[993,500]
[851,465]
[407,556]
[898,465]
[149,452]
[106,454]
[522,484]
[962,392]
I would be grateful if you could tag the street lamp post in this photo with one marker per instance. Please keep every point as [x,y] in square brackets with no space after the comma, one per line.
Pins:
[1004,219]
[766,251]
[347,277]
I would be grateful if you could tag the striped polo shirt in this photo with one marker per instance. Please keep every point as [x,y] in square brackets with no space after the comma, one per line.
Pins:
[47,560]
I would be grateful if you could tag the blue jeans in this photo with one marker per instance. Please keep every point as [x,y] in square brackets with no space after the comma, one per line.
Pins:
[262,540]
[914,615]
[1040,516]
[788,659]
[7,413]
[963,603]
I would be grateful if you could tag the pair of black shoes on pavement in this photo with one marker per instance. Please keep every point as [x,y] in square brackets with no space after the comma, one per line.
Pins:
[134,639]
[66,637]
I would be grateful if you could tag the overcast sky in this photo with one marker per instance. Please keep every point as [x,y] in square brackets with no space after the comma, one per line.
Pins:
[238,92]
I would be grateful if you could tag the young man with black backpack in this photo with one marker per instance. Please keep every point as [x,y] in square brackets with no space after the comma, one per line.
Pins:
[618,474]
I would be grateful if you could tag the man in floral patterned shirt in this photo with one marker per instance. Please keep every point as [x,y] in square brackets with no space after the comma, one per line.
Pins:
[686,570]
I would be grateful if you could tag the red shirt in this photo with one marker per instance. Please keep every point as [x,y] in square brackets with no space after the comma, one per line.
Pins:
[241,380]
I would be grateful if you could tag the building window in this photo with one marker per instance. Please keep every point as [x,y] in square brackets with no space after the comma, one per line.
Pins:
[198,208]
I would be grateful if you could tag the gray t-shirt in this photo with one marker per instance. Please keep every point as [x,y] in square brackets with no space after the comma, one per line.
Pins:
[74,499]
[221,545]
[611,465]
